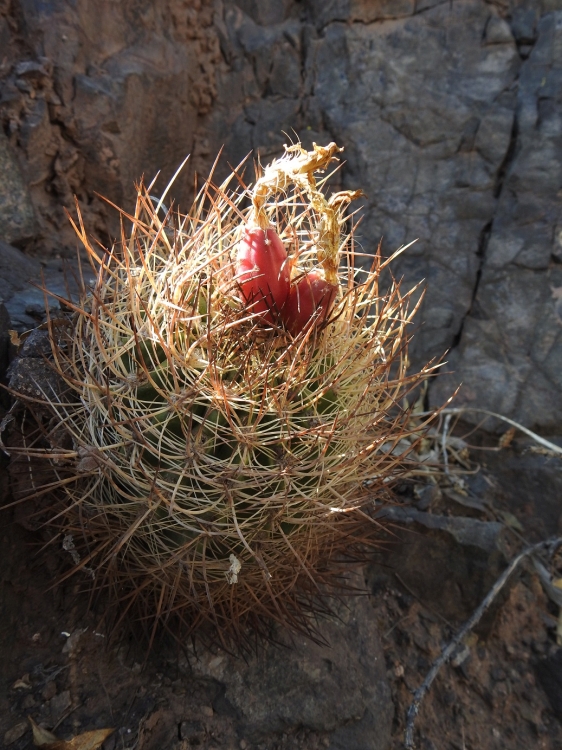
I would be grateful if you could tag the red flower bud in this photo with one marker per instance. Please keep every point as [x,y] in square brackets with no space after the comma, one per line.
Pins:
[263,272]
[310,298]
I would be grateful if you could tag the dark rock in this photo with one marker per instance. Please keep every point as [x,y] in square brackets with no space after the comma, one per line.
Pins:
[448,562]
[31,69]
[405,118]
[531,484]
[497,31]
[328,11]
[549,672]
[49,691]
[17,219]
[16,270]
[159,731]
[426,495]
[21,286]
[59,704]
[509,357]
[14,734]
[4,339]
[36,346]
[466,531]
[267,12]
[340,688]
[34,379]
[523,24]
[193,731]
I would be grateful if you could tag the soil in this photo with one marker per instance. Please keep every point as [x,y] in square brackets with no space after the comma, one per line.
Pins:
[501,690]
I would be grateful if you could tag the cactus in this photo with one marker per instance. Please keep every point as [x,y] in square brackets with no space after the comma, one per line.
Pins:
[229,441]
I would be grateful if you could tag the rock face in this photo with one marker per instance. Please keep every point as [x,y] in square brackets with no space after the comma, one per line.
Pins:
[426,138]
[510,350]
[25,303]
[99,94]
[17,221]
[449,113]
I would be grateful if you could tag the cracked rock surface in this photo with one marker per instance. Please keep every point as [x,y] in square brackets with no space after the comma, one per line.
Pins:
[510,350]
[449,113]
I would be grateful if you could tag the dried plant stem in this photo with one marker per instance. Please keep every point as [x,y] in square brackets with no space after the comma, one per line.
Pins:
[461,410]
[550,546]
[298,169]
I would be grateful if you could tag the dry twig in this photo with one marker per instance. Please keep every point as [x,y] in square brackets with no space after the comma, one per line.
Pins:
[550,546]
[447,412]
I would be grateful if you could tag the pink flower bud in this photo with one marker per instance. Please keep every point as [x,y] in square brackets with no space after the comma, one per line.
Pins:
[311,298]
[262,271]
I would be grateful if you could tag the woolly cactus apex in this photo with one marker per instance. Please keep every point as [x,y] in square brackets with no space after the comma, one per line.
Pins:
[219,469]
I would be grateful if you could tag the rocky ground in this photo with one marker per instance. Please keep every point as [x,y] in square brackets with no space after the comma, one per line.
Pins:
[441,554]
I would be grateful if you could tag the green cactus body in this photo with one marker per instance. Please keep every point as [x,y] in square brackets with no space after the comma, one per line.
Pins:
[232,454]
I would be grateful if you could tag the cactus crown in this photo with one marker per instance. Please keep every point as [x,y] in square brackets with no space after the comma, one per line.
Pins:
[220,466]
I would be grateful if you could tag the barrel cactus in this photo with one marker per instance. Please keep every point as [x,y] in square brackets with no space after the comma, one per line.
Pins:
[232,404]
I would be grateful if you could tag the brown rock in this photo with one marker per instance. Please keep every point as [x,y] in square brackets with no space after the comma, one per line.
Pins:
[49,691]
[17,219]
[14,734]
[59,704]
[340,688]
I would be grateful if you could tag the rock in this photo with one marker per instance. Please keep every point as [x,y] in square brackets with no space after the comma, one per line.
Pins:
[425,138]
[35,379]
[28,702]
[549,672]
[59,704]
[17,219]
[5,326]
[21,279]
[36,346]
[49,691]
[30,373]
[509,357]
[32,69]
[531,483]
[193,731]
[99,83]
[448,562]
[25,303]
[159,731]
[16,270]
[14,734]
[498,31]
[339,688]
[469,532]
[523,23]
[266,12]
